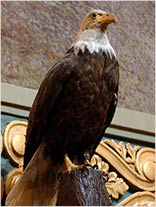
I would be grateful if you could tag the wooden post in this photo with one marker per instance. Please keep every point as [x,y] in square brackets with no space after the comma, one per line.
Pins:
[84,187]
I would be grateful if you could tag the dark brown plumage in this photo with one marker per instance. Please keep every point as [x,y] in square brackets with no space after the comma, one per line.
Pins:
[70,111]
[74,106]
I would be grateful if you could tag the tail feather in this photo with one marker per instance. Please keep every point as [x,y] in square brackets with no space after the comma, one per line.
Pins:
[20,195]
[38,185]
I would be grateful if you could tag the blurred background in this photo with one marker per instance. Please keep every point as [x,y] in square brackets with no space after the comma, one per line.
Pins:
[36,34]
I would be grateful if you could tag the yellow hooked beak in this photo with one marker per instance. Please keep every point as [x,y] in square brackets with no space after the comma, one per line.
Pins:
[106,18]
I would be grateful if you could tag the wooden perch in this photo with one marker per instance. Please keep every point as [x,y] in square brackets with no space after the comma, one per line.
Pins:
[84,187]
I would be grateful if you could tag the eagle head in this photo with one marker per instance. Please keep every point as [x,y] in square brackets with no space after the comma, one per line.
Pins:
[92,33]
[97,19]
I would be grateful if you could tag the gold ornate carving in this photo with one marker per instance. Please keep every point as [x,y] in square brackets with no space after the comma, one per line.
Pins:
[2,188]
[127,152]
[139,199]
[115,185]
[1,144]
[134,164]
[145,163]
[14,141]
[2,182]
[12,178]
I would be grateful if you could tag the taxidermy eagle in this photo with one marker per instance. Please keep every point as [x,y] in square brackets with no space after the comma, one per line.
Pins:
[73,107]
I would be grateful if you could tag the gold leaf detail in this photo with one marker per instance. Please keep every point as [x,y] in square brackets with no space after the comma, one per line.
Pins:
[127,152]
[103,166]
[132,152]
[115,186]
[140,172]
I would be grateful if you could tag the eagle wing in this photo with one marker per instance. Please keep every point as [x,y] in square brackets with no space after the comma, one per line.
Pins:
[112,109]
[43,104]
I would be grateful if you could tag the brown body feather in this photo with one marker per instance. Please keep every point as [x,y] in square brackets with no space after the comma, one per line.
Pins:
[72,109]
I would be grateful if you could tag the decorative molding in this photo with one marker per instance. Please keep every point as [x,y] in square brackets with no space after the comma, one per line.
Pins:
[139,199]
[12,178]
[124,158]
[1,143]
[132,166]
[14,141]
[17,95]
[16,100]
[2,182]
[2,188]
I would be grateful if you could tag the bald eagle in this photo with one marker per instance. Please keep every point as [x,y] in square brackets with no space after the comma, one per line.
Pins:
[73,107]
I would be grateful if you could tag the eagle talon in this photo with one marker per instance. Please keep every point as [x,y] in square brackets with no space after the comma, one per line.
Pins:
[70,166]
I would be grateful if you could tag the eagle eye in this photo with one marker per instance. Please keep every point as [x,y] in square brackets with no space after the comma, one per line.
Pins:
[94,14]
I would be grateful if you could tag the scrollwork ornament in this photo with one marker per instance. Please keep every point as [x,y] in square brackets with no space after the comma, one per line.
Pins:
[139,199]
[127,152]
[145,163]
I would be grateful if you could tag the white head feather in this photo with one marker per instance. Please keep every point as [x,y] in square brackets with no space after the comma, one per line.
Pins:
[94,40]
[92,34]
